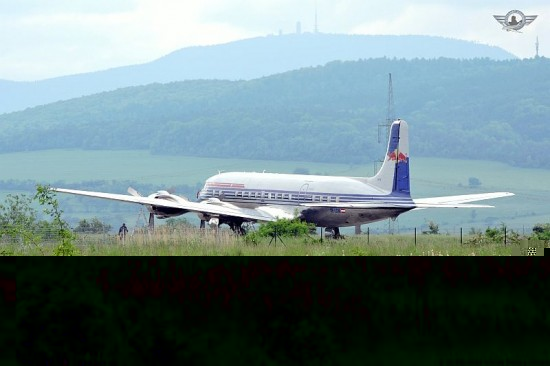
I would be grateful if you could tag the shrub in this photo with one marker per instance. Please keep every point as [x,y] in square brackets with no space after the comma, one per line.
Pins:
[94,226]
[541,232]
[433,228]
[285,227]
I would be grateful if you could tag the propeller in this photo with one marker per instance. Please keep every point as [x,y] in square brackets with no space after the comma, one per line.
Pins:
[133,192]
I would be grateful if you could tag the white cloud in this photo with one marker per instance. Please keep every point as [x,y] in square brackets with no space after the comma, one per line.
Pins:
[41,39]
[460,22]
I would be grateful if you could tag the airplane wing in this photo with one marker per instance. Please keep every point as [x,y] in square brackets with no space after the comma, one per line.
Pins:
[210,207]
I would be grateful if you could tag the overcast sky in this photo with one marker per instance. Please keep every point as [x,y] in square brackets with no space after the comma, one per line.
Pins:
[46,38]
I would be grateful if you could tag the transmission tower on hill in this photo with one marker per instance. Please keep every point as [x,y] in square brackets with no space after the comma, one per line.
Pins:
[383,136]
[390,116]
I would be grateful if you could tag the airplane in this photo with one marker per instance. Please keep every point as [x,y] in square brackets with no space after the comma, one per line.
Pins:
[239,198]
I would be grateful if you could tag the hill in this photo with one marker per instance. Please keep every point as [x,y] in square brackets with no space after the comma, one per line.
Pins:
[469,109]
[242,60]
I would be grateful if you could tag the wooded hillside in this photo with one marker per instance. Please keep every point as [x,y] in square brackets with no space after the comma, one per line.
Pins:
[474,109]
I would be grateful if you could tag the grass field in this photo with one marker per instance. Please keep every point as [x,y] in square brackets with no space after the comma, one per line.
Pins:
[429,177]
[194,242]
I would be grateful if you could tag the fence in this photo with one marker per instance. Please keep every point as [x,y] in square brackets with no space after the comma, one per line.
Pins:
[504,234]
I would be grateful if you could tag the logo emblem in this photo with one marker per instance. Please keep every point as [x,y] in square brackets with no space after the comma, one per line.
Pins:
[514,20]
[398,156]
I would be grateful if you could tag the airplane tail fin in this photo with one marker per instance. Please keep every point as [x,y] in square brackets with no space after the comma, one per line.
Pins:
[393,176]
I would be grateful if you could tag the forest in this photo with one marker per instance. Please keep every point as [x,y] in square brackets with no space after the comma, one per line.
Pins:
[468,109]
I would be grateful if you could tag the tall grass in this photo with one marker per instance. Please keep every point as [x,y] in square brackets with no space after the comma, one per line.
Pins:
[196,242]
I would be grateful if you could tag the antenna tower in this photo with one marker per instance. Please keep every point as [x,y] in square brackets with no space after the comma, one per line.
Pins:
[390,117]
[537,47]
[139,225]
[316,30]
[385,127]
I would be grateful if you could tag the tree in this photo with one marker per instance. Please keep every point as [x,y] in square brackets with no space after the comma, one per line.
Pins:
[433,228]
[46,197]
[95,226]
[18,220]
[474,182]
[542,232]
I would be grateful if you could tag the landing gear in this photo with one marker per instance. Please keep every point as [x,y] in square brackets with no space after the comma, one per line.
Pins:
[333,233]
[237,228]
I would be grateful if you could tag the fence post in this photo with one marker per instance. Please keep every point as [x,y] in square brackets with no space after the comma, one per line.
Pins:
[460,236]
[505,236]
[368,235]
[415,237]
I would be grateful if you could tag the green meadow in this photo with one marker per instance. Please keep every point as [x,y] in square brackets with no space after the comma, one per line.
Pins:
[195,242]
[429,177]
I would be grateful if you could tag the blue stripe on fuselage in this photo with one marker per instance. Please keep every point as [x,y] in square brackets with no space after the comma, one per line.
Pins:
[295,198]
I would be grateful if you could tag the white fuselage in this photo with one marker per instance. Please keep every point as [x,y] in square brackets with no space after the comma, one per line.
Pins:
[289,193]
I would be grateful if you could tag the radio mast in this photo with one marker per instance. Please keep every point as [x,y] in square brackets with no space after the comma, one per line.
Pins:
[390,117]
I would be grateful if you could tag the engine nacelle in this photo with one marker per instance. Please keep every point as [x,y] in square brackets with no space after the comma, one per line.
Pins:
[164,212]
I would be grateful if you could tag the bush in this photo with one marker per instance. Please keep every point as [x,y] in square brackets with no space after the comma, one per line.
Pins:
[285,227]
[541,232]
[94,226]
[433,228]
[495,235]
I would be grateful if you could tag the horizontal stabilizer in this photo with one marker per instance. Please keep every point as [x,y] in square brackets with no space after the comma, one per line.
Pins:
[459,201]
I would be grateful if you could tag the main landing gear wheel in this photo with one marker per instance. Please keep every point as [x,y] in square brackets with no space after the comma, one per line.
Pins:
[333,232]
[238,228]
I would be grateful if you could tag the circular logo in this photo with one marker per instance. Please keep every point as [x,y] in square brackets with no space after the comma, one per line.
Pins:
[515,20]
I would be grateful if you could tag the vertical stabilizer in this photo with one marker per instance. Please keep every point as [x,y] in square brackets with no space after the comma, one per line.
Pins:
[393,176]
